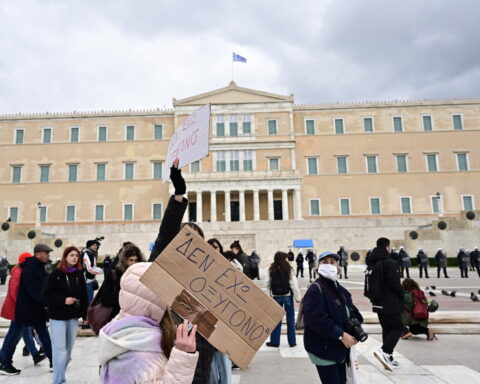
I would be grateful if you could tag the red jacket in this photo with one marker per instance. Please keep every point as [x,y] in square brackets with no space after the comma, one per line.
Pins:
[8,309]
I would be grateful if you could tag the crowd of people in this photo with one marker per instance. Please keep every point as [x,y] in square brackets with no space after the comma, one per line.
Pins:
[141,340]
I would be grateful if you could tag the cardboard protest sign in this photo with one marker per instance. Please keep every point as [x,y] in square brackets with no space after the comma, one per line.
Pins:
[201,285]
[190,141]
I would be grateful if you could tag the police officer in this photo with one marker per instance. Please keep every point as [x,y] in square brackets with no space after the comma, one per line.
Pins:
[290,256]
[343,255]
[299,260]
[394,255]
[463,263]
[406,262]
[441,259]
[368,255]
[422,259]
[312,261]
[475,259]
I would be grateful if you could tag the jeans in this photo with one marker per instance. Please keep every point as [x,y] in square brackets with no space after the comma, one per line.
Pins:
[392,330]
[287,303]
[15,333]
[221,372]
[63,334]
[90,292]
[333,374]
[29,341]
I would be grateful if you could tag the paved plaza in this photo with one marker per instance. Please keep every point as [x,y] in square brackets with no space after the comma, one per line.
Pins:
[453,358]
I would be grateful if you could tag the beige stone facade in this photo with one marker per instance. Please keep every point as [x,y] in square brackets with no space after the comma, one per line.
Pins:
[271,161]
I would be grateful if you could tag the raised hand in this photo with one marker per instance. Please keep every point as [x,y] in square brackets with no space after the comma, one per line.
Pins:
[177,179]
[186,342]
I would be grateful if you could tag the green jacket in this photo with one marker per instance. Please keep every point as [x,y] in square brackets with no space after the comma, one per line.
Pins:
[407,315]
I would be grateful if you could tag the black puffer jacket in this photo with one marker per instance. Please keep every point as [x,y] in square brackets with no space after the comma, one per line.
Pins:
[58,289]
[392,298]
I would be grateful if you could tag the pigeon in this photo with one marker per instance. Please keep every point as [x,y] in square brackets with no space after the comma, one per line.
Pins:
[479,291]
[433,287]
[453,293]
[445,293]
[427,288]
[432,293]
[474,297]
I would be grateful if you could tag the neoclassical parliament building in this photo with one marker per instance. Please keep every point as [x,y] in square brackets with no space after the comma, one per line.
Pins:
[339,174]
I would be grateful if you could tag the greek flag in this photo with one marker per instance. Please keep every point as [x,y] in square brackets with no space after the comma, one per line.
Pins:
[239,58]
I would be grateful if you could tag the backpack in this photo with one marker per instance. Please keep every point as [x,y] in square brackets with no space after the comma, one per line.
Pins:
[252,262]
[279,284]
[420,305]
[373,280]
[300,323]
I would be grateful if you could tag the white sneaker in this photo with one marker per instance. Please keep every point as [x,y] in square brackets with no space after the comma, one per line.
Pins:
[394,362]
[384,358]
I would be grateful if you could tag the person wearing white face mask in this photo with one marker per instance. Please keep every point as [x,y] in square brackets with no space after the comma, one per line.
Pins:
[327,307]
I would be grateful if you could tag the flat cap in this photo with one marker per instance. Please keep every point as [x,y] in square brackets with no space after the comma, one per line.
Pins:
[42,248]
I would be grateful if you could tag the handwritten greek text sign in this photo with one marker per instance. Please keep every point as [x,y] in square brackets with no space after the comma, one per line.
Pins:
[233,313]
[190,141]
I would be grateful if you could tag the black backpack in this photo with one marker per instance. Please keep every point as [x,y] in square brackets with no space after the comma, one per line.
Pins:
[252,262]
[373,281]
[279,284]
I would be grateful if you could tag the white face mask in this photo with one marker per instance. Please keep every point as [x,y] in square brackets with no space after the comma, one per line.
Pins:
[328,271]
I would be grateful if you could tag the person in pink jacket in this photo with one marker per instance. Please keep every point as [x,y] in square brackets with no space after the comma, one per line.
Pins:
[138,345]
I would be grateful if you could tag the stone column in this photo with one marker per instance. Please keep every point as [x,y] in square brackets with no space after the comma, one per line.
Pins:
[241,197]
[285,204]
[270,204]
[227,206]
[199,207]
[297,204]
[213,206]
[256,205]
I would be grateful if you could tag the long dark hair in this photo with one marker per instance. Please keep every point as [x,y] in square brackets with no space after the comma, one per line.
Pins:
[214,241]
[409,284]
[169,333]
[127,252]
[236,245]
[195,227]
[280,262]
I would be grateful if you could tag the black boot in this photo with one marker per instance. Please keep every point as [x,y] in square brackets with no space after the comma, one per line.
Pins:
[25,351]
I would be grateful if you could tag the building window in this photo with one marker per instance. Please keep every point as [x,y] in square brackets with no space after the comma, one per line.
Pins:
[158,131]
[157,170]
[74,134]
[72,172]
[101,172]
[195,166]
[157,211]
[220,126]
[462,161]
[427,123]
[397,124]
[127,211]
[247,125]
[47,135]
[467,202]
[273,163]
[345,206]
[13,214]
[130,132]
[16,174]
[99,212]
[272,127]
[42,212]
[368,124]
[19,135]
[342,164]
[401,163]
[457,122]
[70,213]
[432,164]
[375,206]
[221,161]
[44,173]
[233,125]
[102,133]
[129,171]
[371,164]
[405,205]
[234,161]
[248,160]
[436,204]
[314,207]
[312,166]
[310,127]
[339,128]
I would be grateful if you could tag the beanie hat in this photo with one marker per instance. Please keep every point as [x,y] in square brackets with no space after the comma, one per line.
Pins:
[91,242]
[23,256]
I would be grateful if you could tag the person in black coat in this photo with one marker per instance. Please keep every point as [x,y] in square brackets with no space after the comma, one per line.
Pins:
[299,260]
[169,228]
[110,289]
[389,303]
[422,259]
[290,256]
[343,263]
[327,306]
[463,262]
[406,263]
[475,259]
[441,260]
[66,296]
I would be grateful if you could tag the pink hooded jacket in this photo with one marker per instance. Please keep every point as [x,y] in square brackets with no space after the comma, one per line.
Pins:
[129,346]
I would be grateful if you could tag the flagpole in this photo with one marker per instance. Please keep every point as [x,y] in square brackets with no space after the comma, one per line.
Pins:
[232,69]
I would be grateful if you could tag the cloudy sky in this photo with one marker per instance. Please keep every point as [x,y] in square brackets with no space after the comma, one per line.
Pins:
[64,55]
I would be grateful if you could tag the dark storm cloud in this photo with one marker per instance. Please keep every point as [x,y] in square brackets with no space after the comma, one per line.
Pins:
[66,55]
